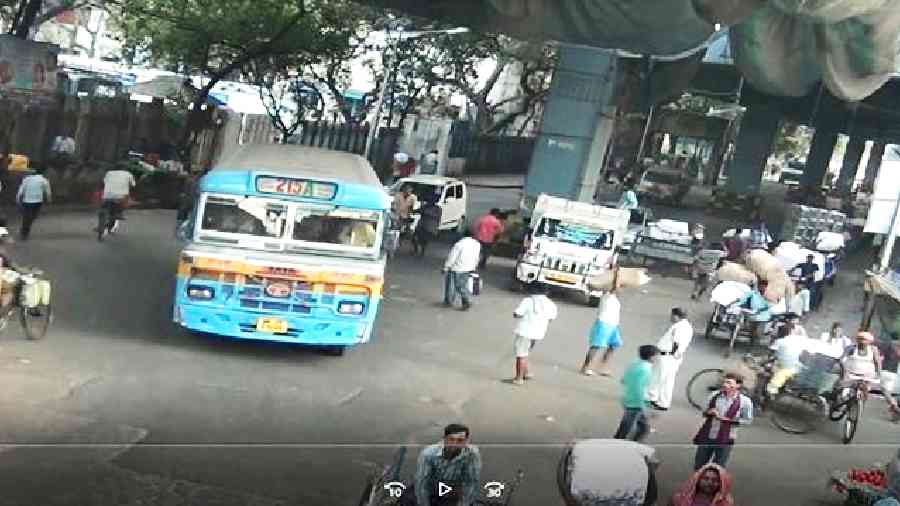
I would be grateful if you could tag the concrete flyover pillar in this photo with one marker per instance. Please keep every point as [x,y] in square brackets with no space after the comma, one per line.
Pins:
[819,157]
[855,148]
[752,148]
[578,122]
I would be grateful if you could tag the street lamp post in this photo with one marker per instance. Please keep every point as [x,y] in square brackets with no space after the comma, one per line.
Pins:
[389,75]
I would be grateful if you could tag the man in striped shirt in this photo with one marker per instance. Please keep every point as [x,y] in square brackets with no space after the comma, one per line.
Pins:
[449,472]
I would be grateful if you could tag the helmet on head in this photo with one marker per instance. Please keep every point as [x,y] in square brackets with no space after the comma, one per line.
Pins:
[865,337]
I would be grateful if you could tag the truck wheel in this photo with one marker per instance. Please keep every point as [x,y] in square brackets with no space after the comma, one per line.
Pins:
[334,351]
[517,285]
[593,301]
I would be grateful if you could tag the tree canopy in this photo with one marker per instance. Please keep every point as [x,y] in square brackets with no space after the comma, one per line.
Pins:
[23,17]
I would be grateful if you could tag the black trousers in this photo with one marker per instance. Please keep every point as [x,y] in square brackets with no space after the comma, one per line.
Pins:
[30,213]
[486,249]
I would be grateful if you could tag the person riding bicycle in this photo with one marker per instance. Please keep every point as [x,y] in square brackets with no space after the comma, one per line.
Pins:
[861,362]
[788,351]
[404,204]
[758,309]
[117,185]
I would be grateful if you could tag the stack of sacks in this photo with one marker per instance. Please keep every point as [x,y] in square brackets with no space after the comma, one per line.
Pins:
[763,264]
[829,241]
[790,254]
[628,277]
[670,230]
[780,287]
[728,292]
[731,271]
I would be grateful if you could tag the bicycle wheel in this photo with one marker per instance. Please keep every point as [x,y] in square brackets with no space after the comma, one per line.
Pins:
[851,421]
[734,336]
[711,324]
[102,223]
[793,414]
[702,385]
[36,321]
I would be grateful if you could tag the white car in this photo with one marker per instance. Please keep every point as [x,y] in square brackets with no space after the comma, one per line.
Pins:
[450,194]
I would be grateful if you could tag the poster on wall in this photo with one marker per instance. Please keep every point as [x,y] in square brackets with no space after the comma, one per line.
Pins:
[27,66]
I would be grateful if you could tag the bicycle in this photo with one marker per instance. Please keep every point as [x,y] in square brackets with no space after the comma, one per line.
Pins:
[31,299]
[108,218]
[706,381]
[843,404]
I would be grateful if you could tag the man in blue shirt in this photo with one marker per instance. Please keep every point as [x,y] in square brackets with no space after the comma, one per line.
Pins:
[33,193]
[628,200]
[759,312]
[635,383]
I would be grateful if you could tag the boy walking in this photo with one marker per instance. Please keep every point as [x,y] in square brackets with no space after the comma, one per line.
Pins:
[635,383]
[534,315]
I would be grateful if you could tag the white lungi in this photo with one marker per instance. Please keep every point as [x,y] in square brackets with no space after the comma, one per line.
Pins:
[662,383]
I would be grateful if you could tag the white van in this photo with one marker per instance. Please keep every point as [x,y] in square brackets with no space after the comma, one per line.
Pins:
[450,194]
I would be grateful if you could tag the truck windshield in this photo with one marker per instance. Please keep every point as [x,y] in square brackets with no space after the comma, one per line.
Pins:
[575,233]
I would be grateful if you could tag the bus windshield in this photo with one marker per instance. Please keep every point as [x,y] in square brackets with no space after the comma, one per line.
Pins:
[298,226]
[344,227]
[246,216]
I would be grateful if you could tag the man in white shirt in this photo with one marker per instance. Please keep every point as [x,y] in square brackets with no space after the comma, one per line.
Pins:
[33,193]
[534,315]
[461,262]
[117,185]
[787,351]
[672,347]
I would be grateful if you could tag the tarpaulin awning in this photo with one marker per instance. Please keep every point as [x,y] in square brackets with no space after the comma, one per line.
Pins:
[783,47]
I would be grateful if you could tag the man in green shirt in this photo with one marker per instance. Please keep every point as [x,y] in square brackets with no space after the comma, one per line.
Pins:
[635,383]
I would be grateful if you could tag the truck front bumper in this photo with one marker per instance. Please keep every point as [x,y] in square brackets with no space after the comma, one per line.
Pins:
[531,273]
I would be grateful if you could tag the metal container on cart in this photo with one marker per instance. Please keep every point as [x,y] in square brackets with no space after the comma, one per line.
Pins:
[608,472]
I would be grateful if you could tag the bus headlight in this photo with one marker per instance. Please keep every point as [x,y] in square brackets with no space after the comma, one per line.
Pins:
[198,292]
[351,308]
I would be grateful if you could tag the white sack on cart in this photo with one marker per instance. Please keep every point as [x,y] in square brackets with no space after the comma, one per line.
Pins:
[728,292]
[829,241]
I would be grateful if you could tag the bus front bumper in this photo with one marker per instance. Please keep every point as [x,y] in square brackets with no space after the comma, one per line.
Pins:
[300,330]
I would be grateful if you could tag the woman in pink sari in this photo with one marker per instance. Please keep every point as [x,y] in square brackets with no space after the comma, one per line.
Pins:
[709,486]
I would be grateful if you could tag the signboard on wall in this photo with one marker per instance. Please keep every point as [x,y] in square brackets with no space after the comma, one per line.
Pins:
[27,66]
[887,191]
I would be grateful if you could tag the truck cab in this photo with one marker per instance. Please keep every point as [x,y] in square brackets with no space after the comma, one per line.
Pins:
[569,242]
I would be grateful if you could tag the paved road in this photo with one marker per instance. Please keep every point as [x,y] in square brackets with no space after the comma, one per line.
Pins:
[135,411]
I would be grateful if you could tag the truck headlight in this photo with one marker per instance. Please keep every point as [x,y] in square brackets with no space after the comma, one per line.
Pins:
[351,308]
[198,292]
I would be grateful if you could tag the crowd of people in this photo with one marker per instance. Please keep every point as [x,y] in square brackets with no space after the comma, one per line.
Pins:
[648,382]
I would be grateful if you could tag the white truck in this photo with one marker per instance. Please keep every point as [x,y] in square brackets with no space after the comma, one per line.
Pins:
[568,242]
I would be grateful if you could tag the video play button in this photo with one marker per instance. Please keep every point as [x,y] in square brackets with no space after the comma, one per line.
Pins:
[444,489]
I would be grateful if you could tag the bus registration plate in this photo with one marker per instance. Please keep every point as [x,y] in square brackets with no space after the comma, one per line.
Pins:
[271,325]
